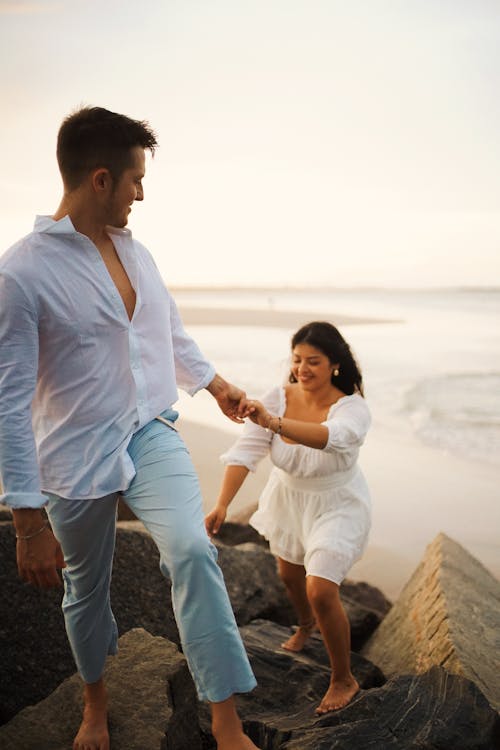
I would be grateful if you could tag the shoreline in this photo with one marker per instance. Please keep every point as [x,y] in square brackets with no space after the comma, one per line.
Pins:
[236,316]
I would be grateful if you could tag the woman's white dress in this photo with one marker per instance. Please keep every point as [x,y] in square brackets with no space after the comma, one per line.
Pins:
[315,509]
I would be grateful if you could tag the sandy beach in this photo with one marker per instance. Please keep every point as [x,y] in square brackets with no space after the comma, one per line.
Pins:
[288,319]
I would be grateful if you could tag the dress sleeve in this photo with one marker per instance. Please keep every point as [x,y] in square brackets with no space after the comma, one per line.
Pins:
[254,442]
[18,372]
[348,425]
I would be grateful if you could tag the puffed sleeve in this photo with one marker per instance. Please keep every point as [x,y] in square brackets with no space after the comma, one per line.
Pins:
[348,424]
[255,441]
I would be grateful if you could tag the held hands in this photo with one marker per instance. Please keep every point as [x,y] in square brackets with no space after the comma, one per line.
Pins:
[231,399]
[258,413]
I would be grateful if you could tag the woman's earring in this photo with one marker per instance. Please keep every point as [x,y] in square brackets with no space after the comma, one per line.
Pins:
[336,372]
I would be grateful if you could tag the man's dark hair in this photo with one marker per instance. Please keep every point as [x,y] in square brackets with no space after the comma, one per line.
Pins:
[94,137]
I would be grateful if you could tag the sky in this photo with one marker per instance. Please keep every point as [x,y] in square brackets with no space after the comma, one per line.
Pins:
[314,142]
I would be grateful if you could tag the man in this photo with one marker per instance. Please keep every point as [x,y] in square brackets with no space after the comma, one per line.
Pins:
[91,348]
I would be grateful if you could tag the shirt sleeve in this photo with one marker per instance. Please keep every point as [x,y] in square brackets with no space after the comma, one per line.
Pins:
[348,425]
[192,371]
[254,442]
[18,373]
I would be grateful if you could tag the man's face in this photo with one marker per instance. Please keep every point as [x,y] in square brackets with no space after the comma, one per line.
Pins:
[127,189]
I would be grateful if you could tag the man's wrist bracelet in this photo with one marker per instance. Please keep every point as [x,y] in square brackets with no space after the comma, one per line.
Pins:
[35,533]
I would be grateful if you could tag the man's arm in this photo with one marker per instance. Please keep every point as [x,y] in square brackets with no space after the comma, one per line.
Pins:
[38,553]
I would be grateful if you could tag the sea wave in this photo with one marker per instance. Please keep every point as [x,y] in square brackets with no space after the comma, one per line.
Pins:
[458,412]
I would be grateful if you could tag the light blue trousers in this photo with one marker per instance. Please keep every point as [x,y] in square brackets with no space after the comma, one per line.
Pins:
[165,496]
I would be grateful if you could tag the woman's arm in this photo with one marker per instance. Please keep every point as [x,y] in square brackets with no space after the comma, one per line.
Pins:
[233,478]
[311,434]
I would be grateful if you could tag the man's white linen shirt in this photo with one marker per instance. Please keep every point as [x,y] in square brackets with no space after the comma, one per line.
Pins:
[77,377]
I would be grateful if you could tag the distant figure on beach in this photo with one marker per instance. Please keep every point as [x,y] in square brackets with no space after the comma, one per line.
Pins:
[315,509]
[92,350]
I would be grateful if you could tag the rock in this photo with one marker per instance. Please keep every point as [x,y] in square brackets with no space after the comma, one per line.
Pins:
[140,598]
[425,712]
[152,703]
[34,652]
[431,711]
[232,533]
[290,685]
[448,614]
[5,514]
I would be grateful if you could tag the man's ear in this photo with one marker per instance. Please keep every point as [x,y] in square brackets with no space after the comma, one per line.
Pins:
[101,180]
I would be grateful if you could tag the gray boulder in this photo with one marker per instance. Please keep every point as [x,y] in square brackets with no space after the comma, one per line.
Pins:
[142,681]
[447,615]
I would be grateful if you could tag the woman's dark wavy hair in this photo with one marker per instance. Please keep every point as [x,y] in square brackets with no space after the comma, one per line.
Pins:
[325,337]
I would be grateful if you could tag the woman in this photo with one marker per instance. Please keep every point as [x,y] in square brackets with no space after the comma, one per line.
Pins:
[315,508]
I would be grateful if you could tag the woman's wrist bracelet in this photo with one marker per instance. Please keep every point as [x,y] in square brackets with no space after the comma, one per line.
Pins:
[277,431]
[35,533]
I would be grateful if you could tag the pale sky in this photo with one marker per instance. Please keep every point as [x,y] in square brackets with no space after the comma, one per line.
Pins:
[339,142]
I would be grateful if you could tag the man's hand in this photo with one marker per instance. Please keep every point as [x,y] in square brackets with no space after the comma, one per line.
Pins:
[40,556]
[232,400]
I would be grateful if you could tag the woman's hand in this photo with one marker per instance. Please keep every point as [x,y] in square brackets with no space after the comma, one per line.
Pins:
[258,413]
[215,519]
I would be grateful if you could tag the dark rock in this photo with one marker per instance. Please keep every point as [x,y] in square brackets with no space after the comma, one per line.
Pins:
[290,686]
[232,533]
[5,514]
[140,598]
[152,703]
[34,652]
[366,596]
[432,711]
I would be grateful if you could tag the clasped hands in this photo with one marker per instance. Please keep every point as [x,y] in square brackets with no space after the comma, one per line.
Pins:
[234,403]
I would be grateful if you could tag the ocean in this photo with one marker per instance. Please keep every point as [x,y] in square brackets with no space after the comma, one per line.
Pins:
[433,371]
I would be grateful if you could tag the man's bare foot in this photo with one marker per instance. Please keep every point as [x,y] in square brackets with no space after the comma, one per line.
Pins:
[298,640]
[227,728]
[338,695]
[93,733]
[233,738]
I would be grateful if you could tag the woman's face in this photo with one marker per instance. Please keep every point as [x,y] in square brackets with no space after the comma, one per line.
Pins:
[311,368]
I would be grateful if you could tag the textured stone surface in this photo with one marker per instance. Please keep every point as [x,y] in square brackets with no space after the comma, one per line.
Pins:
[140,598]
[449,615]
[152,703]
[433,711]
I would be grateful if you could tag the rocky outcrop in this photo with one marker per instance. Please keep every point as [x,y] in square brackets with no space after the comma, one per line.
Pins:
[153,704]
[448,615]
[142,681]
[140,598]
[423,712]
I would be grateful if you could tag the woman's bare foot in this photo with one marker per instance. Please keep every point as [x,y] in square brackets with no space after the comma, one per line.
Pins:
[298,640]
[338,695]
[93,733]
